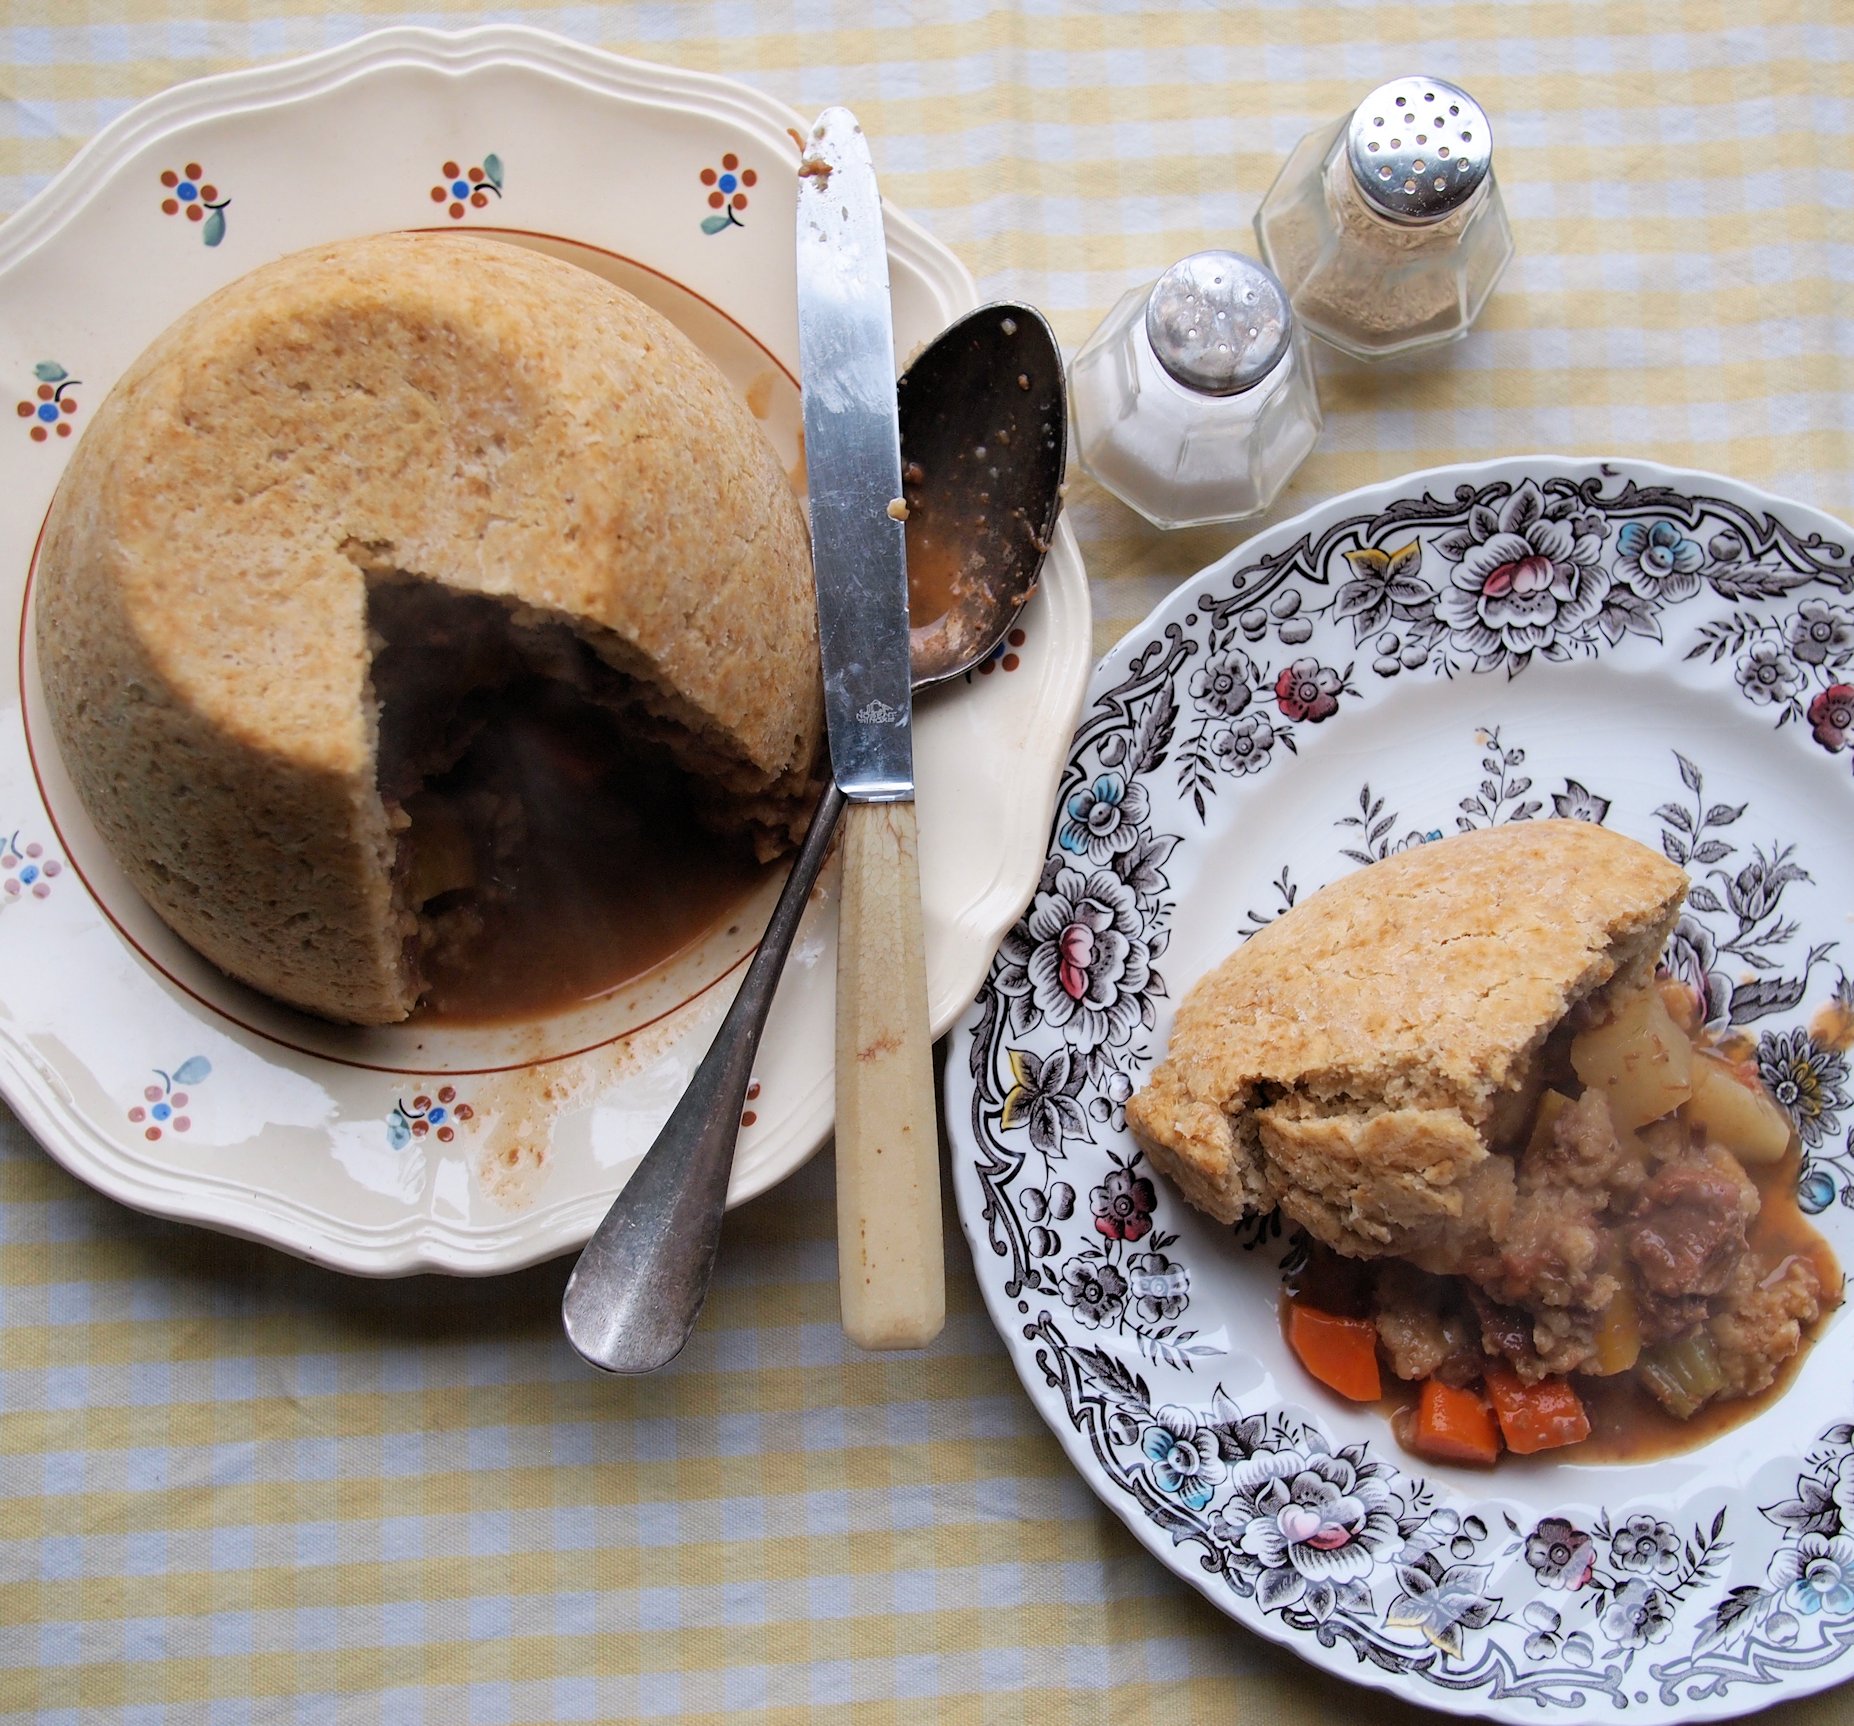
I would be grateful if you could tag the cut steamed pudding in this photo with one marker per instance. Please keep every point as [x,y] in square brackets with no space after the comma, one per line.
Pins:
[357,518]
[1530,1180]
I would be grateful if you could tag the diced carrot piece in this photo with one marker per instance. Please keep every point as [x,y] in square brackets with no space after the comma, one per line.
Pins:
[1538,1416]
[1453,1425]
[1340,1352]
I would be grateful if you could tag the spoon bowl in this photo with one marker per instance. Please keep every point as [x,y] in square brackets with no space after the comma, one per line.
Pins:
[984,437]
[983,442]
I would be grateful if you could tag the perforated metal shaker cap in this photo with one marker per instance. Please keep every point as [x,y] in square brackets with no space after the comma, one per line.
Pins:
[1218,322]
[1419,148]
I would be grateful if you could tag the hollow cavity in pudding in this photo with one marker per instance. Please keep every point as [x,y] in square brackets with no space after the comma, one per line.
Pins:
[557,834]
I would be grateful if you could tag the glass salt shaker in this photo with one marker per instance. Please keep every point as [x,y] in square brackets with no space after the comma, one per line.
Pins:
[1388,230]
[1194,401]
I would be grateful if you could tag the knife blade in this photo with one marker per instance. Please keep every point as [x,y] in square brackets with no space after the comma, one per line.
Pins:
[846,352]
[890,1256]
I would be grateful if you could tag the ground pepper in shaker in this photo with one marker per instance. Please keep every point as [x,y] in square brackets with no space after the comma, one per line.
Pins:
[1388,230]
[1193,401]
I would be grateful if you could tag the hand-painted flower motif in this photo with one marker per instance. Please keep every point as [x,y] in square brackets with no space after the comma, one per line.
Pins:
[1225,684]
[1525,577]
[1110,1105]
[1057,1201]
[1645,1543]
[1104,818]
[1245,746]
[440,1114]
[50,407]
[1561,1554]
[1442,1604]
[1543,1626]
[1081,958]
[1384,585]
[164,1107]
[1817,1574]
[1656,562]
[1831,716]
[1044,1099]
[1807,1078]
[189,193]
[1638,1613]
[1841,1494]
[1815,1190]
[1394,654]
[1003,657]
[25,870]
[1767,673]
[1576,802]
[1820,633]
[1161,1287]
[1123,1205]
[1308,1518]
[727,193]
[1693,957]
[1757,889]
[1184,1459]
[1309,690]
[460,189]
[1094,1289]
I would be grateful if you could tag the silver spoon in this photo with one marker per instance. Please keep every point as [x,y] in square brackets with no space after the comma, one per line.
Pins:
[983,442]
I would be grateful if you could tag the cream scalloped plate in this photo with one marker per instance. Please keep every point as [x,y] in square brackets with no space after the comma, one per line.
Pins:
[1668,653]
[415,1148]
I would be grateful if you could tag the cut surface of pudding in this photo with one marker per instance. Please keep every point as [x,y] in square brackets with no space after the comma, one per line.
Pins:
[364,538]
[1523,1163]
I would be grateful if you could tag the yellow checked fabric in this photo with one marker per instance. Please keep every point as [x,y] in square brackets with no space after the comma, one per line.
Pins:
[234,1488]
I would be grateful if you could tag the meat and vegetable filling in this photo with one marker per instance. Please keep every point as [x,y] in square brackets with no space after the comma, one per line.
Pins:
[1637,1230]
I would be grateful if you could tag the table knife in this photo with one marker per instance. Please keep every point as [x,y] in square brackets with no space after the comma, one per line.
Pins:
[890,1259]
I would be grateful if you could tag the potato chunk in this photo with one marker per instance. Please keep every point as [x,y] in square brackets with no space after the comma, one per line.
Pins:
[1730,1113]
[1639,1058]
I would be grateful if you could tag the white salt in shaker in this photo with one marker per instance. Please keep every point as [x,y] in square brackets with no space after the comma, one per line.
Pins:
[1193,401]
[1388,230]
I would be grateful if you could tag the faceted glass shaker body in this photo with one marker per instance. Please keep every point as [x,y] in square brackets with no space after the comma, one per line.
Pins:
[1181,458]
[1370,285]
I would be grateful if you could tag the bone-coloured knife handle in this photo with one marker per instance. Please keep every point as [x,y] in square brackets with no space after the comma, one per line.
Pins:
[890,1257]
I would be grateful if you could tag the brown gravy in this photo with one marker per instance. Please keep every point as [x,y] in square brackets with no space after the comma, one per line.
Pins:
[1626,1423]
[937,581]
[608,875]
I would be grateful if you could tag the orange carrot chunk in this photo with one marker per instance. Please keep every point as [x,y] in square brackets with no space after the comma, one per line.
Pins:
[1453,1425]
[1340,1352]
[1538,1416]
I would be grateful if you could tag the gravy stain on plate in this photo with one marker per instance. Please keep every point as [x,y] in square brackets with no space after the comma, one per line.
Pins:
[520,1110]
[760,394]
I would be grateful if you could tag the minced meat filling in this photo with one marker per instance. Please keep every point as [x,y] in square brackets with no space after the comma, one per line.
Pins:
[1625,1237]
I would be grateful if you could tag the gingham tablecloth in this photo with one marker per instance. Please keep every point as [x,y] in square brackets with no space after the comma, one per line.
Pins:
[236,1488]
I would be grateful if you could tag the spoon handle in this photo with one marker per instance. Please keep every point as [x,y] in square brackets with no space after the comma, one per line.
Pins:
[891,1263]
[634,1296]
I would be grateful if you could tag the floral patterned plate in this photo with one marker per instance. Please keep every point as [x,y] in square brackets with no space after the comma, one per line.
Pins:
[1665,652]
[410,1148]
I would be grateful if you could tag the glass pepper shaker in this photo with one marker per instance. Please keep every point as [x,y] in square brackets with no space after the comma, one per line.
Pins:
[1388,230]
[1194,401]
